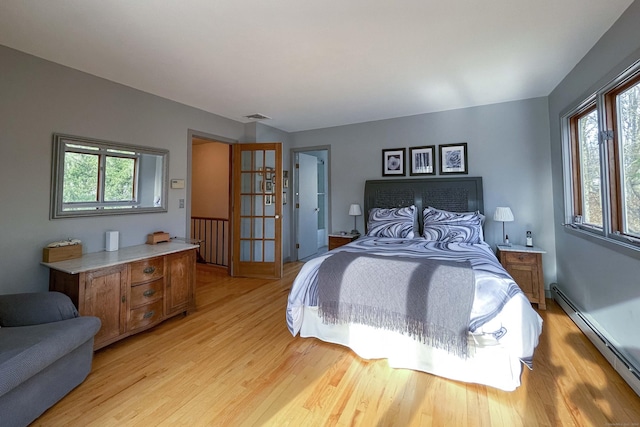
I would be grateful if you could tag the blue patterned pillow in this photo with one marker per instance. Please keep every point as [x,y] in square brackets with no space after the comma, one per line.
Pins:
[452,227]
[394,222]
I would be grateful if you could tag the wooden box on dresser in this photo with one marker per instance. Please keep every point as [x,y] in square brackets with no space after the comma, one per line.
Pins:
[131,289]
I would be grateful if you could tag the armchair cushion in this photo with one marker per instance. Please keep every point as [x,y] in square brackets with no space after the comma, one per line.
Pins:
[35,308]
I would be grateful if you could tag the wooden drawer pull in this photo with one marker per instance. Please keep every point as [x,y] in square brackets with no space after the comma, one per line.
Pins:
[149,270]
[149,292]
[149,314]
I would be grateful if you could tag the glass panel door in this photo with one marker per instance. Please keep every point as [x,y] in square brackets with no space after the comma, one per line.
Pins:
[257,242]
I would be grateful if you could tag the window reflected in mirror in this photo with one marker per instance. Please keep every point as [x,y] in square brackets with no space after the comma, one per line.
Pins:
[92,177]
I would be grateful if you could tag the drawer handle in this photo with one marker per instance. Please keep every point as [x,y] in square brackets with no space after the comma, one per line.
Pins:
[149,270]
[149,314]
[149,292]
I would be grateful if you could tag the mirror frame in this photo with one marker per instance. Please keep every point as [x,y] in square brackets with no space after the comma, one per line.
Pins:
[57,177]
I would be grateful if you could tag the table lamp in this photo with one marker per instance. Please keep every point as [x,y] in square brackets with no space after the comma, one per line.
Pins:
[355,211]
[503,214]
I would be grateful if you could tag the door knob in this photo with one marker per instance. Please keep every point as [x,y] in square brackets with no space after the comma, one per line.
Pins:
[277,216]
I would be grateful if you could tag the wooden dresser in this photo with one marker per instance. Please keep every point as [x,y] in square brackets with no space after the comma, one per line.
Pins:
[131,289]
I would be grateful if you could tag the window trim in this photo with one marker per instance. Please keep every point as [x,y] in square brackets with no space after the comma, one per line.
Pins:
[604,101]
[160,182]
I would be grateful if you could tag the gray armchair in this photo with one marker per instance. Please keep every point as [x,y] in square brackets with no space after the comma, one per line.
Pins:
[46,350]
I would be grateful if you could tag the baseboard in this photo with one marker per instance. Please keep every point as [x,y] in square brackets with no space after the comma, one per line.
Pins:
[622,365]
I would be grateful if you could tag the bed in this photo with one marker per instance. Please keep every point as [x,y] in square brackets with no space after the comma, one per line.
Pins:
[421,288]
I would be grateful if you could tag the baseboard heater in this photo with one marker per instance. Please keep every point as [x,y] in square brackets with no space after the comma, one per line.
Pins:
[620,363]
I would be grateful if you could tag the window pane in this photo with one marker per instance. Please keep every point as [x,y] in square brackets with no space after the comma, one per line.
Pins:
[629,135]
[590,168]
[118,179]
[80,178]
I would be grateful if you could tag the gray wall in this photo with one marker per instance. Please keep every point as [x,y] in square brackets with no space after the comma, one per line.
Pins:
[38,98]
[508,146]
[601,279]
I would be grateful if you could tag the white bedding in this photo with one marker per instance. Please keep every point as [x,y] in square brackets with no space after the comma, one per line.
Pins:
[503,328]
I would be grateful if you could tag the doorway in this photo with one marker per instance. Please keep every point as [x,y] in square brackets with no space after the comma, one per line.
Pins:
[208,207]
[311,182]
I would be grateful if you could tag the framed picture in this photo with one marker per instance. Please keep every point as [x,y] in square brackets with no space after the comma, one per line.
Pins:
[453,159]
[267,199]
[284,197]
[285,179]
[393,162]
[422,160]
[268,187]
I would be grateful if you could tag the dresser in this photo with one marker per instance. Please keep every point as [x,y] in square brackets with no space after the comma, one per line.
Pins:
[524,264]
[131,289]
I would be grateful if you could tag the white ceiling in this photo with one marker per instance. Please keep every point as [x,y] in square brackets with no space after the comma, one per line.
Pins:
[316,64]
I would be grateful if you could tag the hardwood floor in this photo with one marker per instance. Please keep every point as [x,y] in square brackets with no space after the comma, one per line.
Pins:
[234,363]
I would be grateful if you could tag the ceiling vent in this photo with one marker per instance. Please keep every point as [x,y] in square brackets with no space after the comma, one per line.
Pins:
[257,116]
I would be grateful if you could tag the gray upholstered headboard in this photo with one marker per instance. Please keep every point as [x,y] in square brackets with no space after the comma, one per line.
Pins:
[452,194]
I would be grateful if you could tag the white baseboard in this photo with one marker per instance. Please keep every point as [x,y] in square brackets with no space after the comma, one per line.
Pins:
[622,365]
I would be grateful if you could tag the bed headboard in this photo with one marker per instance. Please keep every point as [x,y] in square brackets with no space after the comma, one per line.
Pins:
[451,194]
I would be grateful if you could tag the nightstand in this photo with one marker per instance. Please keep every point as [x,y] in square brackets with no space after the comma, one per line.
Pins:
[524,264]
[336,239]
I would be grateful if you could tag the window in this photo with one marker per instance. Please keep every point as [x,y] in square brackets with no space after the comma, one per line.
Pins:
[604,139]
[98,177]
[587,175]
[92,177]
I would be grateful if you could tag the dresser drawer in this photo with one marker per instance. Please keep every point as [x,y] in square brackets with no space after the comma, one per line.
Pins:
[146,270]
[145,315]
[520,258]
[146,292]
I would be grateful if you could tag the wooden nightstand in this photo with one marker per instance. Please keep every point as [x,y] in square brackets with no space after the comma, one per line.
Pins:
[525,266]
[336,240]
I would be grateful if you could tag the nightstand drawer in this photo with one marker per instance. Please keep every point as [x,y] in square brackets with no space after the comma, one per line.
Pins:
[520,258]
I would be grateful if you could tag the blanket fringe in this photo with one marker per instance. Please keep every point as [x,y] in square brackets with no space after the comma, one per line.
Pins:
[454,342]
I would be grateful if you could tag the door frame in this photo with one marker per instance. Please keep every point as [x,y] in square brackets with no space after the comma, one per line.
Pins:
[294,200]
[191,134]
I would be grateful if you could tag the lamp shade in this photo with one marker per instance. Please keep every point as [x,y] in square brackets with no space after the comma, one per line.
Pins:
[355,210]
[503,214]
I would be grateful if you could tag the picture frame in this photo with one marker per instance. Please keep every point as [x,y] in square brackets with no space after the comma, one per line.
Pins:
[285,179]
[393,162]
[422,160]
[453,159]
[267,199]
[268,187]
[284,197]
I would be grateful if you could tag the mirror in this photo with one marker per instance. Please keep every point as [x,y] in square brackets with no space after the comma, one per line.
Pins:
[91,177]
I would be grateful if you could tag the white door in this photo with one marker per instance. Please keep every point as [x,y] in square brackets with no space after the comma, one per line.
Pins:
[307,205]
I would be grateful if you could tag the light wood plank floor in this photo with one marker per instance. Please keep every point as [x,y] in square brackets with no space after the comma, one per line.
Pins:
[234,363]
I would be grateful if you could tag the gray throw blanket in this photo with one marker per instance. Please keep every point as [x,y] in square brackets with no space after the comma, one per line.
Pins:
[427,299]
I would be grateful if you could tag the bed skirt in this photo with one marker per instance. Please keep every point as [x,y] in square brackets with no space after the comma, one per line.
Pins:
[490,363]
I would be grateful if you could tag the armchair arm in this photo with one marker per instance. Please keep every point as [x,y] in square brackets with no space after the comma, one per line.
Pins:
[35,308]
